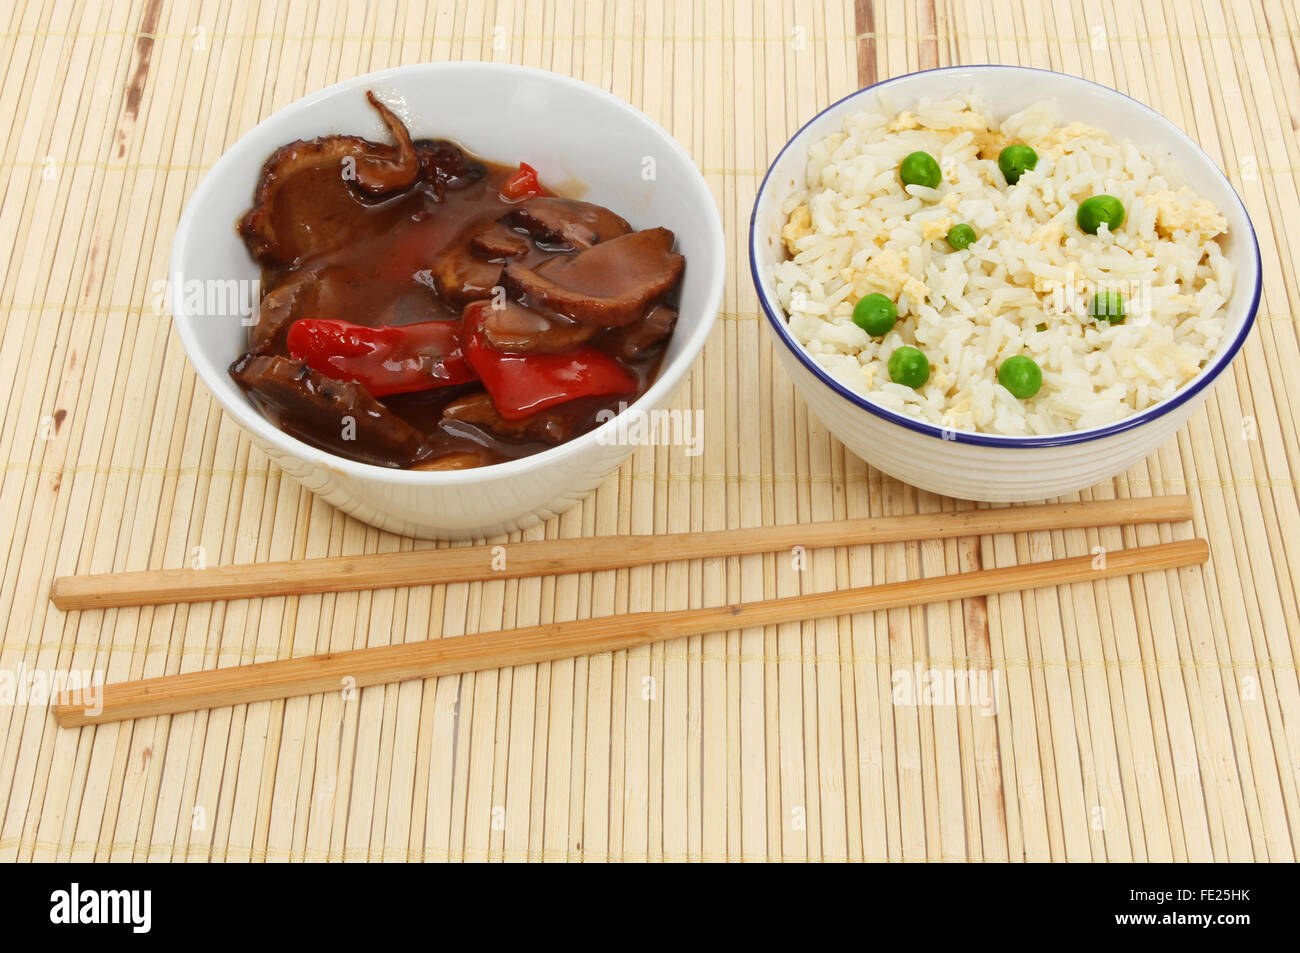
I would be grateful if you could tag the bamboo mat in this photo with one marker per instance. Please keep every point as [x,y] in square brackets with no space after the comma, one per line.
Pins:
[1150,718]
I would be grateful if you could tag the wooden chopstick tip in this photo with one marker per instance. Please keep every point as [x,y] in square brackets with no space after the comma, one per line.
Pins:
[58,593]
[77,707]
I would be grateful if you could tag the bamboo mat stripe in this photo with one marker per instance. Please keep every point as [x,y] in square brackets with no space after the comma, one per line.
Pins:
[1145,718]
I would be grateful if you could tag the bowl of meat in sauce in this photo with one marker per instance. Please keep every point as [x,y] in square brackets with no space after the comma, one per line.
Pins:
[430,293]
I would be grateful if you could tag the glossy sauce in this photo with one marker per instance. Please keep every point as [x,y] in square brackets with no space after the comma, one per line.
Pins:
[378,274]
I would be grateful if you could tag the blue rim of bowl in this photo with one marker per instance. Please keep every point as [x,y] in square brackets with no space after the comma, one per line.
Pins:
[1188,392]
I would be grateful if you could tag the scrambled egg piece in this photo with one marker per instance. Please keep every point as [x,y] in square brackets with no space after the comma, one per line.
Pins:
[989,142]
[799,225]
[1049,235]
[971,120]
[885,273]
[916,290]
[1184,210]
[960,406]
[935,228]
[1062,291]
[904,121]
[1064,139]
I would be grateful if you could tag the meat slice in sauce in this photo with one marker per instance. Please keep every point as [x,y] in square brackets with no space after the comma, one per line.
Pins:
[550,426]
[279,308]
[518,329]
[499,240]
[469,266]
[307,292]
[637,340]
[610,284]
[288,222]
[460,276]
[382,169]
[314,405]
[558,221]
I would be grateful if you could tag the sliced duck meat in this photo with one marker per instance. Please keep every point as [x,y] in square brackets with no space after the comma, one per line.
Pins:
[639,339]
[568,222]
[548,426]
[301,196]
[382,169]
[332,292]
[499,240]
[460,276]
[326,411]
[308,292]
[279,308]
[518,329]
[608,285]
[468,268]
[291,220]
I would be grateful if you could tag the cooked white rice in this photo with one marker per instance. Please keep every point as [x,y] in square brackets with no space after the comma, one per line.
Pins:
[1024,287]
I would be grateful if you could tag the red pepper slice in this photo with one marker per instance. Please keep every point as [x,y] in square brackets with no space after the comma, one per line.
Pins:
[523,384]
[391,359]
[522,184]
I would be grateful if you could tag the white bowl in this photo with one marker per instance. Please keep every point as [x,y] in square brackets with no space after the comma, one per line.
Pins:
[571,133]
[977,466]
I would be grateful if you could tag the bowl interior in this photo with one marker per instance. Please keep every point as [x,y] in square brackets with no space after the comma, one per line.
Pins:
[583,141]
[1006,91]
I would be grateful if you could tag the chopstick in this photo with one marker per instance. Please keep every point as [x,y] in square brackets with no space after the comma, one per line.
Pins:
[265,681]
[513,560]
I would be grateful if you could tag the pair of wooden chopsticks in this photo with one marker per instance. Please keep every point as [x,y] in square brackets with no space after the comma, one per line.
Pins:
[265,681]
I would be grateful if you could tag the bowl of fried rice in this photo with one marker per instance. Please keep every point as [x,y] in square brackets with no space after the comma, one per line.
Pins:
[1001,283]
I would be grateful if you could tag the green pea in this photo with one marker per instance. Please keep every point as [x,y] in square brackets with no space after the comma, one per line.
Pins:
[1015,161]
[960,236]
[909,367]
[1020,375]
[875,314]
[1108,306]
[920,168]
[1098,209]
